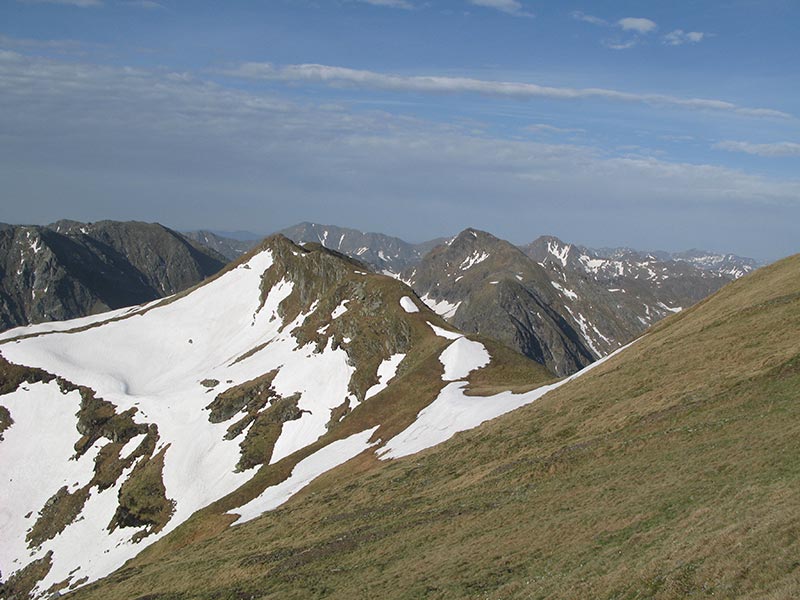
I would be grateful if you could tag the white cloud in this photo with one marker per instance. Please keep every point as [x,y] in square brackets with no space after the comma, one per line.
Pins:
[639,25]
[511,7]
[769,150]
[635,26]
[390,3]
[680,37]
[342,76]
[80,3]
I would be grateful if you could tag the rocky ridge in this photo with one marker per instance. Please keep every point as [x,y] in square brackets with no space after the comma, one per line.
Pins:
[70,269]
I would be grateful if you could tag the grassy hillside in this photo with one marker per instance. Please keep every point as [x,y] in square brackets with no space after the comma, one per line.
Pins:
[670,471]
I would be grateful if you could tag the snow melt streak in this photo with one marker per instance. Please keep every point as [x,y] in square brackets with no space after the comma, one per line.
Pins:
[308,469]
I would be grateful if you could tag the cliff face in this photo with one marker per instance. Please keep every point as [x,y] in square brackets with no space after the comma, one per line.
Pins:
[71,269]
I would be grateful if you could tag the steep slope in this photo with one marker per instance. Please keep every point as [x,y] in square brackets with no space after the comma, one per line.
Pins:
[669,471]
[485,285]
[72,269]
[228,247]
[385,254]
[174,420]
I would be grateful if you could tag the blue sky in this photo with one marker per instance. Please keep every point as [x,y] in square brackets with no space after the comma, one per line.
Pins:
[657,125]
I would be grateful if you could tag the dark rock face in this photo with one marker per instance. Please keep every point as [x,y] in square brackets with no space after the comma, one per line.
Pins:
[485,285]
[70,269]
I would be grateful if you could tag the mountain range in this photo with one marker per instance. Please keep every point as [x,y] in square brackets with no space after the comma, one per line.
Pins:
[298,426]
[560,304]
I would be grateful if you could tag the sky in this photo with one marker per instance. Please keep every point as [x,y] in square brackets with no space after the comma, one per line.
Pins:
[641,123]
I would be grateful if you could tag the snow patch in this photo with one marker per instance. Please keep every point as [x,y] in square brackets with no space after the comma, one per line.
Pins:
[568,293]
[473,259]
[443,308]
[462,357]
[671,309]
[408,305]
[453,411]
[584,324]
[450,335]
[559,252]
[339,310]
[386,372]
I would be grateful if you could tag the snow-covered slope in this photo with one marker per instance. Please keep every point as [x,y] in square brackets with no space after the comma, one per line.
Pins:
[237,393]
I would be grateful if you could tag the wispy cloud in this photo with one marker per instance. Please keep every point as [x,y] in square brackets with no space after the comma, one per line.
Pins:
[775,149]
[616,45]
[581,16]
[638,27]
[511,7]
[59,46]
[545,128]
[637,24]
[80,3]
[680,37]
[147,4]
[342,76]
[389,3]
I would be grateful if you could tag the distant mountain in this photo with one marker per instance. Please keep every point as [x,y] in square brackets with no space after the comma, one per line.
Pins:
[560,304]
[383,253]
[722,264]
[632,289]
[229,247]
[727,265]
[70,269]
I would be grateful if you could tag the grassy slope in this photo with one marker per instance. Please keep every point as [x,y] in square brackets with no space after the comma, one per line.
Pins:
[671,471]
